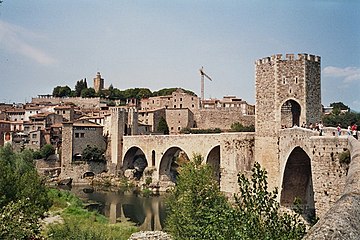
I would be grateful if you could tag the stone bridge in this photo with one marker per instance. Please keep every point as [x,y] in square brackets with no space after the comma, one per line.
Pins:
[228,153]
[307,166]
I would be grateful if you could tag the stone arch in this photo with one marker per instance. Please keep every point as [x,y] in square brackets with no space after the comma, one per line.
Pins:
[135,160]
[170,162]
[213,159]
[88,174]
[297,182]
[290,113]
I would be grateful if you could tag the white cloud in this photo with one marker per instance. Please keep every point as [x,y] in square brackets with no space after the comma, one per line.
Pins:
[15,39]
[349,74]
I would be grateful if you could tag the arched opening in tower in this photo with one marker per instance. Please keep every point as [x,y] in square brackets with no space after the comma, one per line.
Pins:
[290,114]
[213,159]
[170,162]
[297,187]
[134,161]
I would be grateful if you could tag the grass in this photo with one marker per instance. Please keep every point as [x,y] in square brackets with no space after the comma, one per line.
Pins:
[80,223]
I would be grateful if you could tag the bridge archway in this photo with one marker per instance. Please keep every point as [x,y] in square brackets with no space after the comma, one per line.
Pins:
[290,113]
[213,159]
[297,183]
[135,159]
[169,163]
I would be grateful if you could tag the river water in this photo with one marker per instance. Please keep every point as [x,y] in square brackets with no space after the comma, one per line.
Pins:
[146,212]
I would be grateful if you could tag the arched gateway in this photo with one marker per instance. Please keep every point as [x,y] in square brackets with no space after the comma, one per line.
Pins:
[297,186]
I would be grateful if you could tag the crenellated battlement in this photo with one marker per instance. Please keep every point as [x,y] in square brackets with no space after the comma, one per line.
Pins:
[289,57]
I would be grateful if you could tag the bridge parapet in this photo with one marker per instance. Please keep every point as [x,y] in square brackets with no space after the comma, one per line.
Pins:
[342,221]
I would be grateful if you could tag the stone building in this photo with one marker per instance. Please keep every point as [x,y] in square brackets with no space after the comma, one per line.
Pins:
[178,99]
[151,118]
[66,111]
[179,118]
[4,129]
[287,94]
[98,82]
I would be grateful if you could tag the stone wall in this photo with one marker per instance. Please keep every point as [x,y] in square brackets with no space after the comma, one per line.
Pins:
[87,103]
[342,221]
[221,118]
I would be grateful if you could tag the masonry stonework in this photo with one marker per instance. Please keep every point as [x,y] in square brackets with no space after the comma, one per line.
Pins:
[287,93]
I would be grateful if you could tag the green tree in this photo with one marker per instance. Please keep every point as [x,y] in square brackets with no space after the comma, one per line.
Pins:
[163,126]
[61,91]
[88,93]
[258,211]
[47,150]
[23,195]
[93,154]
[196,208]
[339,105]
[79,86]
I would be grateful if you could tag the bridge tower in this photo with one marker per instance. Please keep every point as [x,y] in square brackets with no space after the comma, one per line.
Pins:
[287,94]
[118,128]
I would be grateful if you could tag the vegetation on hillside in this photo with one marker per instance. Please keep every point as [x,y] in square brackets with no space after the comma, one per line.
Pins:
[198,210]
[336,117]
[82,90]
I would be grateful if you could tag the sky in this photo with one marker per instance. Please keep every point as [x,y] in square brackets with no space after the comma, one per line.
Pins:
[161,44]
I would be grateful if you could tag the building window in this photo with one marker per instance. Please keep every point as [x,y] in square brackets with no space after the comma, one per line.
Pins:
[192,106]
[172,128]
[284,80]
[34,135]
[296,80]
[180,99]
[174,106]
[180,105]
[82,135]
[76,135]
[63,112]
[179,128]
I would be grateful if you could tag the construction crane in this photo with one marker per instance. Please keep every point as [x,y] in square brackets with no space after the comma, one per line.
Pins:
[203,74]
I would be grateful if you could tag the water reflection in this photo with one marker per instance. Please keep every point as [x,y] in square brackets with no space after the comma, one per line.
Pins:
[146,212]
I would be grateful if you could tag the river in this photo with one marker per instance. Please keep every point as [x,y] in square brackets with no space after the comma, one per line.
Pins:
[146,212]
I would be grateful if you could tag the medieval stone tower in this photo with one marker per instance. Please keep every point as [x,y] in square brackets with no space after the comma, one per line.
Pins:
[98,82]
[117,128]
[287,94]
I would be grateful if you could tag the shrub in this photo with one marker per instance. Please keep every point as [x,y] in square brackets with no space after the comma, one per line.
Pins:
[198,210]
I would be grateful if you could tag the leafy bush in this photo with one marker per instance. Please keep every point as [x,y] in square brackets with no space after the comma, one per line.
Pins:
[198,210]
[258,211]
[93,154]
[238,127]
[200,131]
[23,195]
[47,150]
[344,158]
[196,207]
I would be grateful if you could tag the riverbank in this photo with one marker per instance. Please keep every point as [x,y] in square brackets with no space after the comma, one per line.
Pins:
[76,222]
